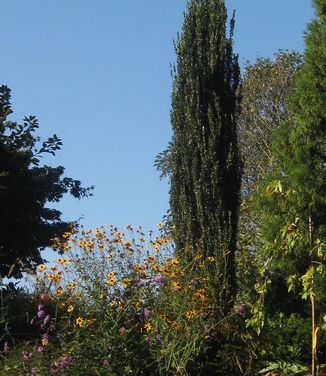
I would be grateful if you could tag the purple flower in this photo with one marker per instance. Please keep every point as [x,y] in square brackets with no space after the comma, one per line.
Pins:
[46,320]
[105,362]
[45,339]
[148,340]
[122,330]
[27,355]
[34,371]
[159,280]
[140,283]
[192,282]
[52,327]
[40,314]
[207,328]
[147,312]
[40,349]
[31,322]
[240,310]
[159,337]
[40,307]
[5,348]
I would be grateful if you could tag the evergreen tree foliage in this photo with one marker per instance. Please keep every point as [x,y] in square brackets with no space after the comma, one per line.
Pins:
[27,223]
[206,168]
[299,148]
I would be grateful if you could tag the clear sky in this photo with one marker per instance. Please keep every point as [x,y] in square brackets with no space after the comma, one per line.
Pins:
[96,73]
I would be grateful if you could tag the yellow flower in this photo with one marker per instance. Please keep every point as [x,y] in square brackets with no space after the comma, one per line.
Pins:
[79,321]
[110,257]
[118,234]
[111,281]
[70,308]
[41,267]
[127,244]
[62,305]
[148,327]
[139,268]
[59,291]
[138,304]
[125,282]
[50,277]
[150,259]
[113,303]
[156,267]
[176,286]
[210,258]
[101,247]
[90,244]
[110,274]
[156,248]
[160,224]
[174,262]
[60,260]
[165,270]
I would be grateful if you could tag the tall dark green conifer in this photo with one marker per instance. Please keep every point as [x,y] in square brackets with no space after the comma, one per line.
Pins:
[206,169]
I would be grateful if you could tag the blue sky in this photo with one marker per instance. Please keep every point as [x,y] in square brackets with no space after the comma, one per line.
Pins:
[96,73]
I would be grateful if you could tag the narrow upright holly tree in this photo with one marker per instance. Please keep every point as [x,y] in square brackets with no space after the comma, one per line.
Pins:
[206,168]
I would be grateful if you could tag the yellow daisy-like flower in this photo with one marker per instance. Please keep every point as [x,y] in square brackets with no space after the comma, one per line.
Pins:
[59,291]
[156,248]
[127,244]
[70,308]
[113,303]
[62,305]
[150,259]
[101,247]
[165,270]
[60,260]
[174,262]
[111,281]
[210,258]
[50,277]
[156,267]
[81,244]
[176,286]
[160,224]
[110,257]
[90,244]
[110,274]
[79,321]
[139,268]
[125,282]
[148,327]
[41,267]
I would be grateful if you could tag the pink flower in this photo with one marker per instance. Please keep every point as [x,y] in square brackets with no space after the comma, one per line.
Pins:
[147,312]
[27,355]
[5,348]
[122,330]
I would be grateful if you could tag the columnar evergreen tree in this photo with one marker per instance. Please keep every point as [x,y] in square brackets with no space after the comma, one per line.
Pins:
[206,168]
